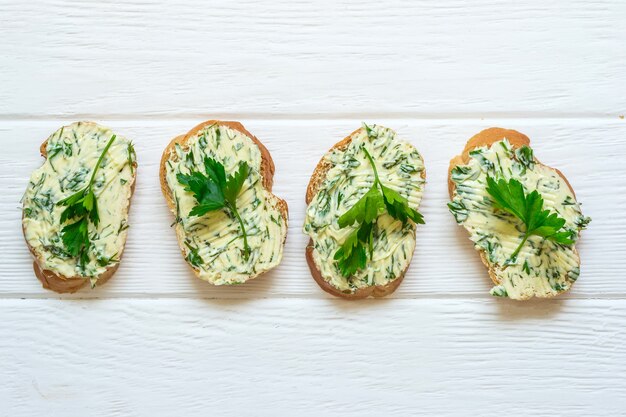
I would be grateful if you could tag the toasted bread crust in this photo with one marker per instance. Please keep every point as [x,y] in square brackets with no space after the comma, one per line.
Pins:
[317,178]
[60,283]
[267,169]
[323,166]
[486,138]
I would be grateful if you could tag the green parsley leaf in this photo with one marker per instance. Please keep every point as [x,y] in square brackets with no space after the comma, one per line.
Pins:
[207,193]
[509,196]
[235,182]
[352,254]
[215,191]
[76,236]
[82,205]
[365,210]
[215,170]
[398,207]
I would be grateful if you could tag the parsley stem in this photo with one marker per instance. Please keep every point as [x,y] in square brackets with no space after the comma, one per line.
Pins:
[246,247]
[95,169]
[376,179]
[514,254]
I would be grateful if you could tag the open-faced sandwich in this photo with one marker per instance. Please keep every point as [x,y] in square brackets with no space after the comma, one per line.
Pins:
[362,213]
[522,216]
[217,180]
[75,213]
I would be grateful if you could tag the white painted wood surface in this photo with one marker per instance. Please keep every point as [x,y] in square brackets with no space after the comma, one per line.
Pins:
[300,75]
[145,57]
[310,358]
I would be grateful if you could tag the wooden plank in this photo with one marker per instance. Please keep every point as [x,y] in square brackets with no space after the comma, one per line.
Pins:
[322,357]
[445,262]
[450,57]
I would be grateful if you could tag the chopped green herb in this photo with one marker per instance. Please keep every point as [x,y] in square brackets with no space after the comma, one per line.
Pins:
[132,157]
[178,219]
[58,147]
[72,181]
[582,222]
[202,140]
[104,260]
[217,136]
[371,133]
[525,156]
[275,219]
[458,210]
[569,201]
[507,148]
[193,257]
[123,226]
[573,274]
[57,251]
[482,159]
[499,291]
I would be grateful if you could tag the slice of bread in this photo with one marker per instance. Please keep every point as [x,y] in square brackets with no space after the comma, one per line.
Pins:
[214,236]
[325,234]
[71,154]
[548,268]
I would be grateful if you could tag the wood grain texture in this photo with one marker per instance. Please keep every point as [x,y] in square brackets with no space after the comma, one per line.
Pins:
[203,357]
[445,262]
[219,59]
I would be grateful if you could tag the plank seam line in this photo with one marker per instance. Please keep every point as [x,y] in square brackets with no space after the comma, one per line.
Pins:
[434,296]
[366,116]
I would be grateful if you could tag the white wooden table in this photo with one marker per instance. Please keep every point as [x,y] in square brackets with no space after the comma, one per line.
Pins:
[157,342]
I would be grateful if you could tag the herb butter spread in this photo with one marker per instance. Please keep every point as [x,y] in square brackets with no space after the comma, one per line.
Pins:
[212,242]
[72,154]
[542,268]
[350,175]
